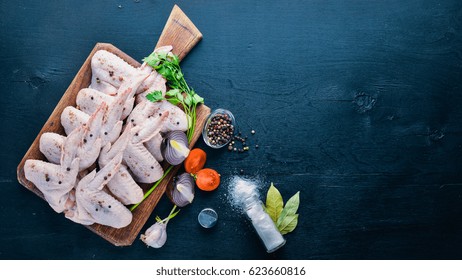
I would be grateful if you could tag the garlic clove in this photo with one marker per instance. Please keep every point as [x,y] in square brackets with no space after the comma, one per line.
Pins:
[156,235]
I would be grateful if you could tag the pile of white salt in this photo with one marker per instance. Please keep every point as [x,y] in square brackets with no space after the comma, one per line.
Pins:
[241,189]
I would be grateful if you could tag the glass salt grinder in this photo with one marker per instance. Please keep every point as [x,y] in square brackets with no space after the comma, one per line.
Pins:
[263,224]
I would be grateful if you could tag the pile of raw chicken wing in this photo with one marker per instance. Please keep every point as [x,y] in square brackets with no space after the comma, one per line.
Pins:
[112,144]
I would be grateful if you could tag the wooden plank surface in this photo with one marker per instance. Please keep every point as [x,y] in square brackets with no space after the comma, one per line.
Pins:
[179,32]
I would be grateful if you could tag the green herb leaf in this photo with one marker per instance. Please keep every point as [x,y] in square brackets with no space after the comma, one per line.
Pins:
[188,100]
[274,203]
[197,99]
[288,224]
[155,96]
[174,59]
[168,65]
[166,72]
[293,203]
[172,92]
[179,96]
[152,60]
[162,55]
[290,209]
[173,100]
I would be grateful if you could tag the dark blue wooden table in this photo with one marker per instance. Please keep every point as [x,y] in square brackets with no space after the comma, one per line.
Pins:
[357,104]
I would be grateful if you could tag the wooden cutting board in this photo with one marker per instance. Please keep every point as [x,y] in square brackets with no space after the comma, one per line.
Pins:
[179,32]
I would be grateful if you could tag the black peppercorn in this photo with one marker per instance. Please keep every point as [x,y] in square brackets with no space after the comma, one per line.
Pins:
[219,130]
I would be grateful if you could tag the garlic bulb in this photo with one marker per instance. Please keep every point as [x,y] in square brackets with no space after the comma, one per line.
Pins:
[156,235]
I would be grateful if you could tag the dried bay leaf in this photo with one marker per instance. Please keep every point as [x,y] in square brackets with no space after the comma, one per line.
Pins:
[284,217]
[288,224]
[290,208]
[274,203]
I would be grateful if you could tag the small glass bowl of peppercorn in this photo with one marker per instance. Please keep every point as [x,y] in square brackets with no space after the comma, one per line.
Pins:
[219,128]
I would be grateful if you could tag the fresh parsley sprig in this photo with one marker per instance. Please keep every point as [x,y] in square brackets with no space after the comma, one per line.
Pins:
[168,65]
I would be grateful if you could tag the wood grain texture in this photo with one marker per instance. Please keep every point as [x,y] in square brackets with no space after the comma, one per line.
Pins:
[183,36]
[179,30]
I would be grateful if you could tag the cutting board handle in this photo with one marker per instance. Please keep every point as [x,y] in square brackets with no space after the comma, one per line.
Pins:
[180,32]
